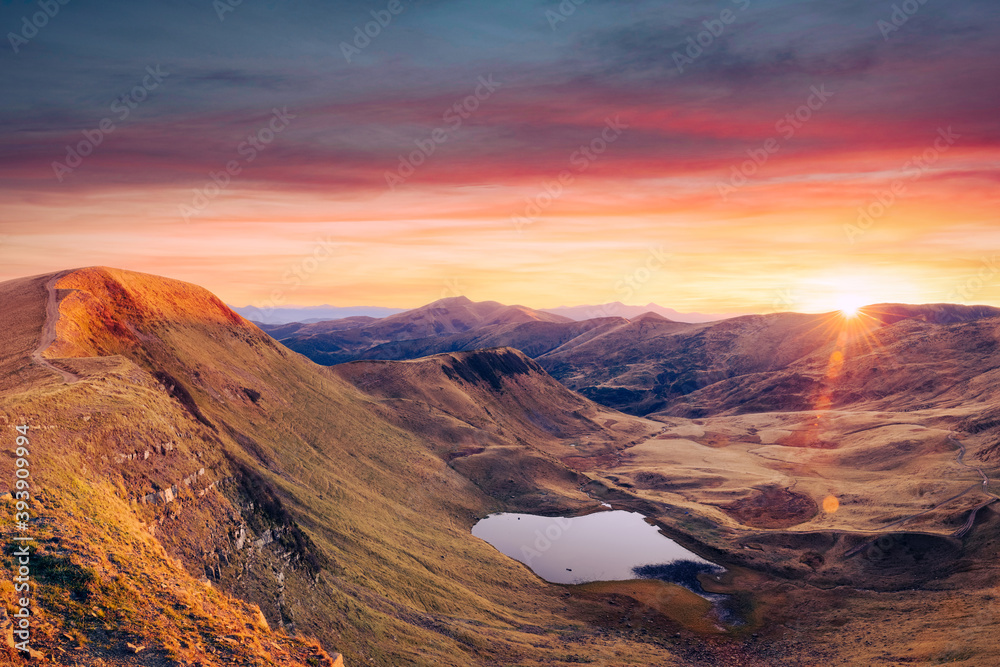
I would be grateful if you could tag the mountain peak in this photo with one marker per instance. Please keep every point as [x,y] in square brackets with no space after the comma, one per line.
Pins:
[651,317]
[450,301]
[107,310]
[619,309]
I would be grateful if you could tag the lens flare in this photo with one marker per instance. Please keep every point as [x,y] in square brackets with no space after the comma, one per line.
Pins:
[831,504]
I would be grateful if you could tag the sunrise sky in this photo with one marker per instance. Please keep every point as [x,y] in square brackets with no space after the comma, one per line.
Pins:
[708,156]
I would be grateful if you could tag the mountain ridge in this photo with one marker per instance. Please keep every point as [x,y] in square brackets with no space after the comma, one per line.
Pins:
[619,309]
[252,499]
[265,480]
[650,364]
[281,315]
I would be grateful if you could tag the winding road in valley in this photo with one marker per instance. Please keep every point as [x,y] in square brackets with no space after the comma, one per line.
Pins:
[967,526]
[986,487]
[49,332]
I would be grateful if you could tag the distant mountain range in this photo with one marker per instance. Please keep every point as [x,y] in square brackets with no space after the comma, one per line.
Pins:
[619,309]
[649,364]
[312,314]
[286,314]
[899,355]
[447,325]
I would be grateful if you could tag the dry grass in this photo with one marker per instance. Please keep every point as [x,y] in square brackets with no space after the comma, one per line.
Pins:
[356,531]
[340,503]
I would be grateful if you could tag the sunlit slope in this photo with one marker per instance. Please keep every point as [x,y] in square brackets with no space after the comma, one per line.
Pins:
[888,357]
[101,580]
[271,479]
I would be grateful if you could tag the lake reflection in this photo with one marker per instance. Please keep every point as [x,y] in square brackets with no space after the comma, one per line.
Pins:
[605,546]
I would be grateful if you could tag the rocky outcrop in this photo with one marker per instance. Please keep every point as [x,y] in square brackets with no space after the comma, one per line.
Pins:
[169,494]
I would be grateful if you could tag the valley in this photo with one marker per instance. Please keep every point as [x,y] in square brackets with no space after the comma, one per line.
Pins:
[268,510]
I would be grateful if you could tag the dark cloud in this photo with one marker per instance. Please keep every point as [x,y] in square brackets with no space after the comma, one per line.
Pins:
[939,68]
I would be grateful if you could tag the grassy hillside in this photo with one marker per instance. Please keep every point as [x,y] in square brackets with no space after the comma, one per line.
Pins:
[214,498]
[194,455]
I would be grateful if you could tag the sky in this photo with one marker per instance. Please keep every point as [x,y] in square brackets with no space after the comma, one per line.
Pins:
[728,156]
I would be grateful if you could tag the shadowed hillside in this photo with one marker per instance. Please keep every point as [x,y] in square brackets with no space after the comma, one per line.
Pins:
[893,355]
[336,341]
[500,420]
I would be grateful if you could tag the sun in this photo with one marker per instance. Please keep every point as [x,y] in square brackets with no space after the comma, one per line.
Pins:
[849,305]
[844,293]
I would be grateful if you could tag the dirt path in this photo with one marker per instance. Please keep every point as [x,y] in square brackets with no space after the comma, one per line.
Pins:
[967,526]
[49,332]
[938,506]
[986,487]
[961,460]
